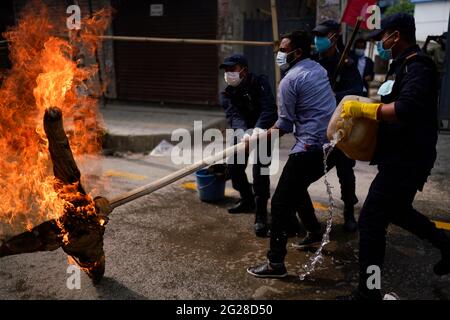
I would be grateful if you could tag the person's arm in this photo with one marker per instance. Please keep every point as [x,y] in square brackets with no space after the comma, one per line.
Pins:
[231,113]
[268,114]
[411,104]
[274,127]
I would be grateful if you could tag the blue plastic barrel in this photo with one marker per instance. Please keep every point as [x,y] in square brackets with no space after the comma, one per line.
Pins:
[210,186]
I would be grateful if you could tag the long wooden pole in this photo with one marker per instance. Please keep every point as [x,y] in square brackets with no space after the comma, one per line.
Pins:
[188,41]
[276,39]
[346,51]
[182,41]
[171,178]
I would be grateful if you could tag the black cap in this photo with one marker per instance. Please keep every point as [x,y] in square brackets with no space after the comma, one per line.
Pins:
[400,21]
[234,60]
[326,26]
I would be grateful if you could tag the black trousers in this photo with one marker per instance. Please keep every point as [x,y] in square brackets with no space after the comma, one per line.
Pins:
[346,175]
[390,200]
[261,182]
[291,194]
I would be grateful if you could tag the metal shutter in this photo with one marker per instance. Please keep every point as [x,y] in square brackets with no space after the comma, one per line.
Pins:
[166,72]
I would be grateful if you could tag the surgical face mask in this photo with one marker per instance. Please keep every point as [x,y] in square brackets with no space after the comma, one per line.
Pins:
[282,60]
[233,78]
[386,88]
[359,52]
[322,43]
[385,54]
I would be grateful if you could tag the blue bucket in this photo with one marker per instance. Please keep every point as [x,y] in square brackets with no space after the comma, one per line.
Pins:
[210,186]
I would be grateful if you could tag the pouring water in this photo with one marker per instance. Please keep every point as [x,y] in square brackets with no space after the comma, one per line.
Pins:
[317,257]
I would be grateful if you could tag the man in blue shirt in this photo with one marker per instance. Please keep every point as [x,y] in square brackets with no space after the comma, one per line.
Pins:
[306,104]
[249,104]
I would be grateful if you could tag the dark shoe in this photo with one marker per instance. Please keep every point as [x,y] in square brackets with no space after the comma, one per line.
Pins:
[243,206]
[358,295]
[265,270]
[311,239]
[350,224]
[261,229]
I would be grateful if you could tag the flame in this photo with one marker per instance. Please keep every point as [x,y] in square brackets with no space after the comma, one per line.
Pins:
[45,72]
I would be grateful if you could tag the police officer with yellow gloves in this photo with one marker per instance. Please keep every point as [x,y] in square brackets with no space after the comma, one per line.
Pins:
[405,151]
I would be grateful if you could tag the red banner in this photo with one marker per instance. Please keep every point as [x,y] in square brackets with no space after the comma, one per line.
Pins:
[355,9]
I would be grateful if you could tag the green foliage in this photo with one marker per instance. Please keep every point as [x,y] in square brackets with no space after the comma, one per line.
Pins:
[403,6]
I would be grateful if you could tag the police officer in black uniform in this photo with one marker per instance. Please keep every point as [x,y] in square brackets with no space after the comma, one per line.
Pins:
[405,151]
[348,82]
[249,104]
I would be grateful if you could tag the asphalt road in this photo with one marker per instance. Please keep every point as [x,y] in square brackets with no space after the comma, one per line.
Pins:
[169,245]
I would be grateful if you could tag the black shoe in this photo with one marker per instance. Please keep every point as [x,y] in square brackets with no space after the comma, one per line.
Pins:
[261,229]
[443,266]
[350,224]
[310,240]
[266,271]
[243,206]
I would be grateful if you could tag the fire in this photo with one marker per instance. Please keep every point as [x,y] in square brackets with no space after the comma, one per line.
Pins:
[46,72]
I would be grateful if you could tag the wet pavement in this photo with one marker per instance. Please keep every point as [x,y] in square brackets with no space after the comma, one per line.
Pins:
[169,245]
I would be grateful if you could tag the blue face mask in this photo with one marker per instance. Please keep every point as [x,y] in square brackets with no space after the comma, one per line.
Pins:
[382,52]
[322,43]
[385,54]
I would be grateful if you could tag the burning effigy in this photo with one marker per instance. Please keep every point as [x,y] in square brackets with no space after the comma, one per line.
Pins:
[41,195]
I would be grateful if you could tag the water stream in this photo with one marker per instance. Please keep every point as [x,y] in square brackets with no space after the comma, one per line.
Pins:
[317,257]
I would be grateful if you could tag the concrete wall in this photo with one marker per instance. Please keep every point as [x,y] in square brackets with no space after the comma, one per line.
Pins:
[431,18]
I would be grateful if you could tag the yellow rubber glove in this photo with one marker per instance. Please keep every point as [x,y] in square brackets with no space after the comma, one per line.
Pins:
[357,109]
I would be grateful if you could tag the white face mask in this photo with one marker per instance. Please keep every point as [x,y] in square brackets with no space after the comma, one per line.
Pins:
[282,60]
[232,78]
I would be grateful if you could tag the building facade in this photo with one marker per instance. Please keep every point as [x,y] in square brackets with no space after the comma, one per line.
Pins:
[177,72]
